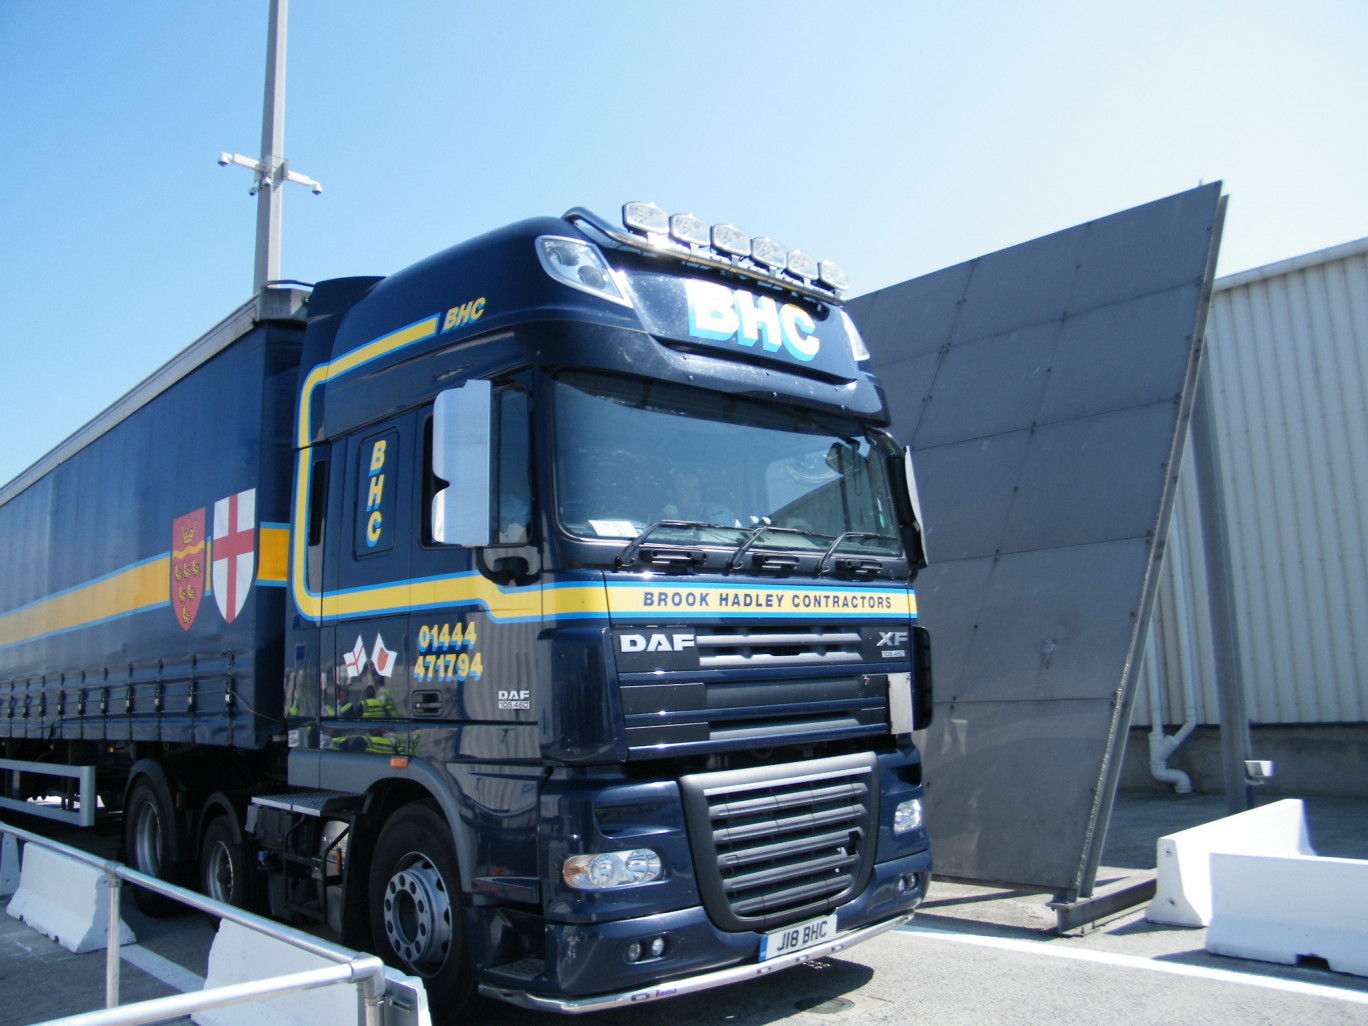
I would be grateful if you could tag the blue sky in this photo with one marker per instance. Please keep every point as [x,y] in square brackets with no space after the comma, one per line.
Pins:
[895,138]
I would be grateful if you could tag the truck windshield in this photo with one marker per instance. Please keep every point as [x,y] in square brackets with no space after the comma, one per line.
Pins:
[702,468]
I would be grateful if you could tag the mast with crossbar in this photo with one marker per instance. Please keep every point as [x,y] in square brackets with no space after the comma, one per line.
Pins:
[272,170]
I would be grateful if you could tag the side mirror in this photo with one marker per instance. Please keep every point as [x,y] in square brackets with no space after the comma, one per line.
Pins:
[908,506]
[461,455]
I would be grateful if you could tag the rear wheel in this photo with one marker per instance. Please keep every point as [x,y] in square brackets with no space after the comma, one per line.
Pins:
[147,842]
[415,905]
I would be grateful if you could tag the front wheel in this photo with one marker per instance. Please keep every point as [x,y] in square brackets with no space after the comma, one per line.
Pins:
[226,870]
[415,905]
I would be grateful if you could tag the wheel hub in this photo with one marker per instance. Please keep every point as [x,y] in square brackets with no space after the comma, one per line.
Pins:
[147,837]
[219,876]
[418,915]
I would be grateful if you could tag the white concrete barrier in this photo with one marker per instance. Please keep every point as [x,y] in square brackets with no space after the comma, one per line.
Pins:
[1182,894]
[241,955]
[1278,908]
[65,900]
[9,865]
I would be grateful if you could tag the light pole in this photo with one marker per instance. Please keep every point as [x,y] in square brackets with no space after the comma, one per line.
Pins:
[272,170]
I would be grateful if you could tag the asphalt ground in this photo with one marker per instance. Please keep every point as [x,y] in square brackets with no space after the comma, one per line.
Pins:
[973,955]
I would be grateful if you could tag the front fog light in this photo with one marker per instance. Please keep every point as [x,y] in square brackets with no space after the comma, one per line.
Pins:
[907,816]
[646,950]
[611,869]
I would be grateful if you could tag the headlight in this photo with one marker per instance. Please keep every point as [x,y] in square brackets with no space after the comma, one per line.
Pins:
[907,816]
[610,869]
[580,265]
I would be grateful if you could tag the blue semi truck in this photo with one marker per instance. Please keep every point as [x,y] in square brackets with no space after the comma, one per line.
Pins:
[539,617]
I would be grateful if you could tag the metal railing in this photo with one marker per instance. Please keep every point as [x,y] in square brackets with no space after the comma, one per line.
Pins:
[84,813]
[365,972]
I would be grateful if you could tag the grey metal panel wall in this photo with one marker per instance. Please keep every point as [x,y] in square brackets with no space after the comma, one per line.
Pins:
[1289,365]
[1045,391]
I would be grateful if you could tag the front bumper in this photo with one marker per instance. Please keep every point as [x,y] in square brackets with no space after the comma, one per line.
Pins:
[707,957]
[691,984]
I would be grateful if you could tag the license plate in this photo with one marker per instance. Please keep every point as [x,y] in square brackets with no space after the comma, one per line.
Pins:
[797,937]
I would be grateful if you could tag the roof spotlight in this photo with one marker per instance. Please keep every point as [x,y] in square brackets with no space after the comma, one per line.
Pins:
[801,265]
[690,230]
[645,218]
[727,238]
[767,252]
[833,276]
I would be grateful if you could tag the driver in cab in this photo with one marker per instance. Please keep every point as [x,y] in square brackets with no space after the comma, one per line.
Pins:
[687,502]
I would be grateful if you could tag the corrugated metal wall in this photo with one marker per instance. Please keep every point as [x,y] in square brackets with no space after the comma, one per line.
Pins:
[1288,362]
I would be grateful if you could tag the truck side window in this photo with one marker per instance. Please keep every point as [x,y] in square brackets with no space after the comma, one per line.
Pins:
[318,509]
[377,486]
[514,484]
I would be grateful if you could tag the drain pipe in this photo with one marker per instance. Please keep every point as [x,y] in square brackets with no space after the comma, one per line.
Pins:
[1162,745]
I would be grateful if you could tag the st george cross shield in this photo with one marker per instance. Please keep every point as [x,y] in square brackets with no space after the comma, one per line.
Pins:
[187,566]
[234,551]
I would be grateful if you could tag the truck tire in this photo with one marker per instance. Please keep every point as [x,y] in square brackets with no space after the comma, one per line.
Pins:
[226,870]
[416,902]
[147,825]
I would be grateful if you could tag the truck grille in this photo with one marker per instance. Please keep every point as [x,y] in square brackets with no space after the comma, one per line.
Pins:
[730,648]
[781,843]
[674,718]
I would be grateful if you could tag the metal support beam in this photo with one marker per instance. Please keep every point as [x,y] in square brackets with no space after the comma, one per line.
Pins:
[1104,902]
[1235,744]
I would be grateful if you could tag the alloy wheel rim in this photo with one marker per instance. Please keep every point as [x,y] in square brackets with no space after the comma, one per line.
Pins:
[417,914]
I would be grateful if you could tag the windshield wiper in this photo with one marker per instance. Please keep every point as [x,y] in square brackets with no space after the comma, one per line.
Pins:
[854,566]
[753,535]
[629,553]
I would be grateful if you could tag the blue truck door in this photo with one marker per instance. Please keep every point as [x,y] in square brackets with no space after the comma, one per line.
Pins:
[366,704]
[476,615]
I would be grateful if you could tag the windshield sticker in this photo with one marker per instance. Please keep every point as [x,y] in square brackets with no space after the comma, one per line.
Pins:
[720,314]
[615,528]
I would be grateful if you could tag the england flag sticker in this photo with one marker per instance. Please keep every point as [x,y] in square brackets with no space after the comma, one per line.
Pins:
[355,660]
[234,551]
